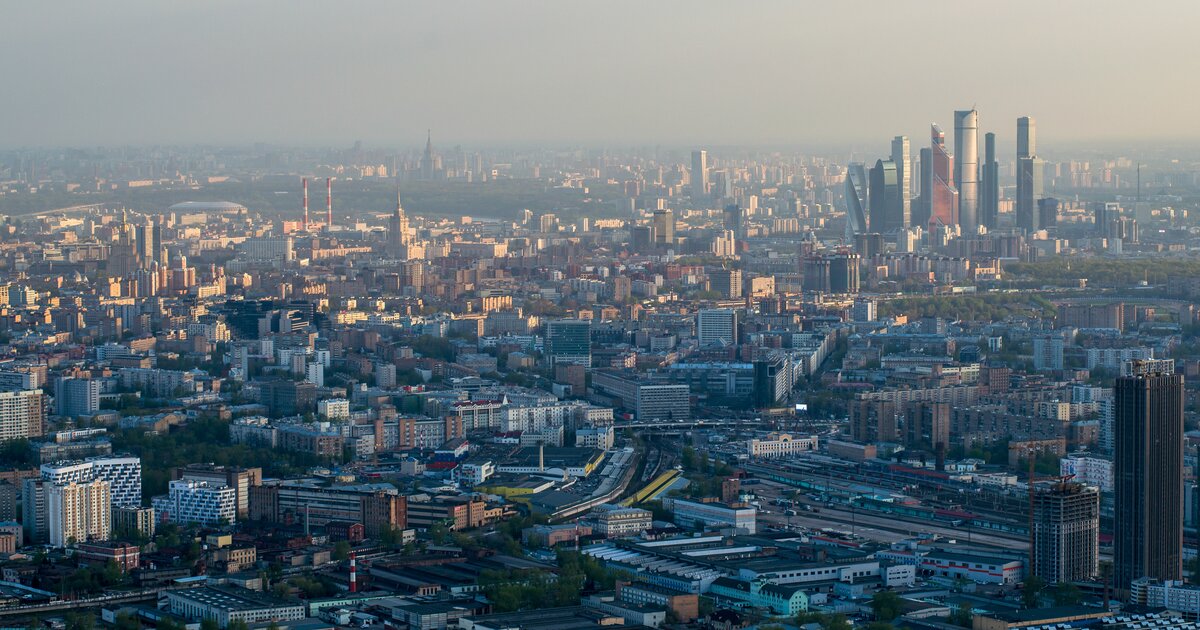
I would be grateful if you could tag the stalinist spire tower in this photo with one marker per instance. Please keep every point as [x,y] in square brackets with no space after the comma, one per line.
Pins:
[398,237]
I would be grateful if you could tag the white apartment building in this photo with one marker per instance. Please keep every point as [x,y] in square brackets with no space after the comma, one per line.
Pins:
[1091,470]
[1169,594]
[123,474]
[535,418]
[595,437]
[193,501]
[22,414]
[78,512]
[780,445]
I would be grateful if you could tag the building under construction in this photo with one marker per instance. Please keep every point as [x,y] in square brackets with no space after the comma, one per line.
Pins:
[1066,532]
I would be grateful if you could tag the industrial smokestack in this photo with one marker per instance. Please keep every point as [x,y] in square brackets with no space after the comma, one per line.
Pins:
[353,573]
[328,203]
[304,180]
[541,457]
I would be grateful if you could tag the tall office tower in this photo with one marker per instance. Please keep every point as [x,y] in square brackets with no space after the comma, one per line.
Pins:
[569,341]
[727,282]
[145,243]
[966,168]
[1030,172]
[921,209]
[1029,175]
[816,274]
[664,227]
[1148,473]
[716,325]
[78,512]
[943,196]
[903,161]
[989,195]
[869,245]
[1026,137]
[1066,533]
[735,220]
[887,210]
[1048,211]
[843,272]
[22,414]
[699,174]
[856,200]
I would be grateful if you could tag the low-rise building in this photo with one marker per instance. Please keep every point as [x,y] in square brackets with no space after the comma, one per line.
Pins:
[780,445]
[614,521]
[225,604]
[686,606]
[782,600]
[1169,594]
[125,555]
[708,515]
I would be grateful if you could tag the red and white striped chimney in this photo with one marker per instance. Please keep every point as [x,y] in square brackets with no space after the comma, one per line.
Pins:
[328,203]
[353,573]
[304,180]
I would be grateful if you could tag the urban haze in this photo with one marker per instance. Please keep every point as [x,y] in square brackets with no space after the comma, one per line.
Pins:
[567,316]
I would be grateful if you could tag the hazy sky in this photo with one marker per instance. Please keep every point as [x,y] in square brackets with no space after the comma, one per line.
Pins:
[608,72]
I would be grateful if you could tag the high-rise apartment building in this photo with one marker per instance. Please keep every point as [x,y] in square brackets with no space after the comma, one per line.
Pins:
[22,414]
[123,474]
[194,501]
[943,196]
[966,168]
[76,397]
[1066,533]
[78,512]
[727,282]
[699,174]
[989,193]
[1148,473]
[569,341]
[238,478]
[716,325]
[903,161]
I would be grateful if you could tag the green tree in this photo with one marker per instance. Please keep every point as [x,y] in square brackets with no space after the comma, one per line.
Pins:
[341,550]
[126,621]
[886,605]
[962,617]
[237,624]
[80,621]
[836,622]
[1031,592]
[209,624]
[1066,594]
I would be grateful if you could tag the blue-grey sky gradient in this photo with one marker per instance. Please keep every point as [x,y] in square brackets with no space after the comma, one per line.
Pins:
[674,72]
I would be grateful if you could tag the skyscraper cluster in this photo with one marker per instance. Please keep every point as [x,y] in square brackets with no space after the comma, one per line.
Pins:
[944,190]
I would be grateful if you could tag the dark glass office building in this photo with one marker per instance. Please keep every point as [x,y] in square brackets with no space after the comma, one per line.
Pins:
[1148,474]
